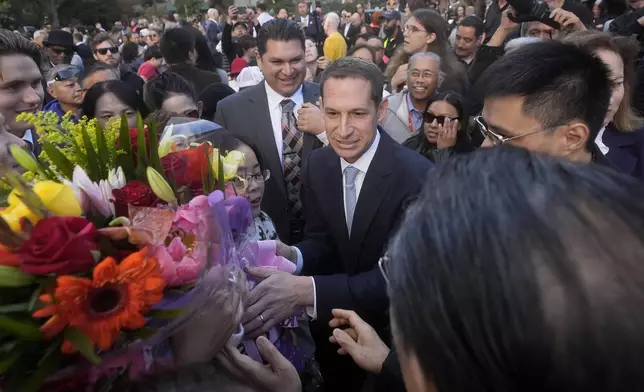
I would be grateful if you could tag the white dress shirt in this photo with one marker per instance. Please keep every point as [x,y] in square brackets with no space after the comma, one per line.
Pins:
[275,109]
[263,18]
[304,20]
[600,142]
[347,26]
[362,164]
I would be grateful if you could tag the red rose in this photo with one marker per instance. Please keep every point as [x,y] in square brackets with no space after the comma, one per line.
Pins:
[188,167]
[59,245]
[135,193]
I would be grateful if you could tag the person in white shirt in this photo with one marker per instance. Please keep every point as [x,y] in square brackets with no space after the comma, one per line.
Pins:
[262,15]
[355,192]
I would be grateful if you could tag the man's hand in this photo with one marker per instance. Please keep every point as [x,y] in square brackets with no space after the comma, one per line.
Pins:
[567,19]
[641,21]
[360,341]
[400,78]
[287,252]
[232,14]
[277,375]
[310,119]
[506,27]
[274,299]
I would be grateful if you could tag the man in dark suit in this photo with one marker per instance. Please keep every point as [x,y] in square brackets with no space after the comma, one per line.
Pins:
[178,50]
[265,113]
[354,193]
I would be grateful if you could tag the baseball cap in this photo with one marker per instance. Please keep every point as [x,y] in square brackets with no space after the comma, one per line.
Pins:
[249,76]
[237,66]
[393,14]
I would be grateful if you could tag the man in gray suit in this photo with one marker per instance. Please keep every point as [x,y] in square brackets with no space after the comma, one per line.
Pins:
[267,114]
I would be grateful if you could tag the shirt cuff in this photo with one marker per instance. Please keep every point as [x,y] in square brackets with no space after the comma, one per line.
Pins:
[312,311]
[300,262]
[323,138]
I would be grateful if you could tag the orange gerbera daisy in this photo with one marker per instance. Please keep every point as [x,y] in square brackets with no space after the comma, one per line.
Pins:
[116,298]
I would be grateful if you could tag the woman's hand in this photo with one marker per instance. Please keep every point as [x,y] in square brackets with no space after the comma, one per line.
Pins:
[323,62]
[360,341]
[277,375]
[209,330]
[447,133]
[400,78]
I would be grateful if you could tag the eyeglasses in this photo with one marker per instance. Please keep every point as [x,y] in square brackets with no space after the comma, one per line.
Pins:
[59,51]
[103,51]
[497,139]
[412,29]
[382,265]
[429,118]
[241,183]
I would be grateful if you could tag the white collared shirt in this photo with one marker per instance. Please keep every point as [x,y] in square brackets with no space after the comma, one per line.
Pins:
[304,20]
[362,164]
[275,109]
[347,26]
[263,18]
[600,142]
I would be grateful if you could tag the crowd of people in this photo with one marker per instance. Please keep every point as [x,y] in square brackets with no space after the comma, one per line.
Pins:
[425,260]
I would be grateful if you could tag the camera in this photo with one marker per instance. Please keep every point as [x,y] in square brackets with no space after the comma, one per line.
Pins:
[532,11]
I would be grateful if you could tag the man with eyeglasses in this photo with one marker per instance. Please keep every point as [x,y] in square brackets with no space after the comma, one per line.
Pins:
[63,85]
[548,97]
[405,109]
[105,49]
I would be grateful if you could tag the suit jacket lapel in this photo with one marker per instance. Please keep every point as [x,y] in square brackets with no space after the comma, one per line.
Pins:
[260,114]
[374,189]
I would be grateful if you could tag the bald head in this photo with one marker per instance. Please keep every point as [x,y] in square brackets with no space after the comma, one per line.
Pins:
[355,19]
[331,23]
[213,13]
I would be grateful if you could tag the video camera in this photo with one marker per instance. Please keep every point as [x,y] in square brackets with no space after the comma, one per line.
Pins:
[532,11]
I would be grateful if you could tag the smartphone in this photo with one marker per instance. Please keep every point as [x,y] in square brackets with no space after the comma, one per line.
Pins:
[241,10]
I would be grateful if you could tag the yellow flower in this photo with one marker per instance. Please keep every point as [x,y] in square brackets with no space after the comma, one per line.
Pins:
[232,160]
[59,199]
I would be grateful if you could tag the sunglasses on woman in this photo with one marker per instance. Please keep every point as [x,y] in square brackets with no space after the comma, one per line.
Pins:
[430,117]
[103,51]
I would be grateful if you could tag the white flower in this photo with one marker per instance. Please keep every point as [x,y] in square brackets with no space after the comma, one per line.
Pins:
[99,200]
[116,178]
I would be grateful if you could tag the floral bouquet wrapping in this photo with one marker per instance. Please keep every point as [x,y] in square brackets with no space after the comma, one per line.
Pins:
[109,244]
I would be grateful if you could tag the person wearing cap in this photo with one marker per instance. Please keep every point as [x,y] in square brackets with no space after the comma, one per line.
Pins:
[63,85]
[59,47]
[392,31]
[248,77]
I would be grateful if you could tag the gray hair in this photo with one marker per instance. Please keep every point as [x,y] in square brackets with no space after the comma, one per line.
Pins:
[517,43]
[38,33]
[433,56]
[332,17]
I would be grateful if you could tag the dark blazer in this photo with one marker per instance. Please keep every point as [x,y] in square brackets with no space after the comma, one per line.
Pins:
[626,150]
[199,78]
[246,113]
[345,268]
[84,51]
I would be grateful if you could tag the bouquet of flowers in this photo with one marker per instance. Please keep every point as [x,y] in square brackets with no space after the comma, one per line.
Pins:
[110,240]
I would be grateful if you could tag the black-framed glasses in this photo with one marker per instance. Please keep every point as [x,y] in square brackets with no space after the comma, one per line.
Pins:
[103,51]
[241,183]
[498,139]
[58,51]
[429,118]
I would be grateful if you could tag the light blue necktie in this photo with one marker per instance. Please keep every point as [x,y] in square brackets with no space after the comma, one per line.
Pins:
[350,174]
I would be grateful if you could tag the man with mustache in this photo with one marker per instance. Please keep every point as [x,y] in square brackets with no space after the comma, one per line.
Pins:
[405,109]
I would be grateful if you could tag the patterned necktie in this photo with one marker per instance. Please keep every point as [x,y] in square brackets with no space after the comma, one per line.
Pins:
[291,156]
[350,174]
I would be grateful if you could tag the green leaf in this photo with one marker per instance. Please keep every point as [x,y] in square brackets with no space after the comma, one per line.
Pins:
[168,314]
[7,361]
[24,329]
[81,157]
[153,139]
[93,161]
[142,151]
[103,151]
[143,333]
[63,164]
[83,344]
[220,174]
[14,277]
[126,161]
[46,366]
[14,308]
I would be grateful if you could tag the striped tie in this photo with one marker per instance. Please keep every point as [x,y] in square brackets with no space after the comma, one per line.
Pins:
[291,156]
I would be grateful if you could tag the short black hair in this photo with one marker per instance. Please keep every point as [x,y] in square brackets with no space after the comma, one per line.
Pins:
[247,42]
[354,67]
[515,271]
[159,88]
[78,37]
[176,45]
[262,7]
[360,47]
[152,52]
[278,30]
[130,52]
[11,44]
[211,96]
[122,90]
[473,21]
[559,83]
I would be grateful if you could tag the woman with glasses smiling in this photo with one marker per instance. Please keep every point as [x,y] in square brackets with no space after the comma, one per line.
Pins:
[443,132]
